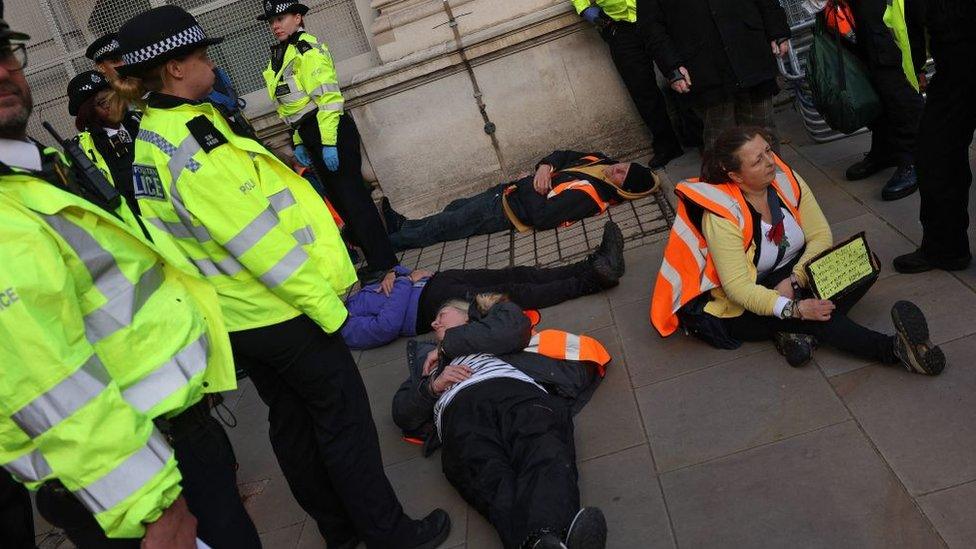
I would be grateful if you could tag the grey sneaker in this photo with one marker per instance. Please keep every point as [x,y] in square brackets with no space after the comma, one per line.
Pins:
[588,530]
[912,345]
[797,348]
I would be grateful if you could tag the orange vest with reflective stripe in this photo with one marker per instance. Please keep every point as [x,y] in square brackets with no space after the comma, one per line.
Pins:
[687,270]
[840,19]
[562,345]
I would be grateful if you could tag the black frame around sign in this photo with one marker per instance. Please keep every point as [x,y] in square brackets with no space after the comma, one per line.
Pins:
[875,267]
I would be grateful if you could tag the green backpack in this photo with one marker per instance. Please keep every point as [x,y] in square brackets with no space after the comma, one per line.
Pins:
[839,82]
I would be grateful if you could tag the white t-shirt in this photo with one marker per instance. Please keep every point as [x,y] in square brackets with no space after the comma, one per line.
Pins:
[20,154]
[483,366]
[768,251]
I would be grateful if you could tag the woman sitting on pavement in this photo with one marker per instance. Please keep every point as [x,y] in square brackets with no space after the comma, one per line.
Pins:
[733,268]
[405,303]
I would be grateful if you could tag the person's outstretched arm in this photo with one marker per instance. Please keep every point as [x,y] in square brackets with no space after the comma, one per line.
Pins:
[503,329]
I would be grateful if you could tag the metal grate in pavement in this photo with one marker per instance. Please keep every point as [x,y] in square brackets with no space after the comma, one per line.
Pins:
[641,221]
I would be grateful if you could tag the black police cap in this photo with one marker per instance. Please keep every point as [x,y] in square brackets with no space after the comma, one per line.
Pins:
[82,87]
[278,7]
[106,47]
[158,35]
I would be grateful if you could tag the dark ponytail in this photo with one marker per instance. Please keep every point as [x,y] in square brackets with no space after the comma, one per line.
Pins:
[723,156]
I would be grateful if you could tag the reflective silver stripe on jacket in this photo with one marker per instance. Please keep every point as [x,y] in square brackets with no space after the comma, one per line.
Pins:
[64,399]
[168,378]
[674,278]
[323,89]
[710,192]
[786,187]
[281,199]
[280,272]
[30,467]
[335,106]
[304,235]
[124,299]
[127,477]
[292,119]
[252,233]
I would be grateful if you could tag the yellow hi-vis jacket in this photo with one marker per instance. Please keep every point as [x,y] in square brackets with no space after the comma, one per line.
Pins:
[894,18]
[306,82]
[256,229]
[100,332]
[618,10]
[87,145]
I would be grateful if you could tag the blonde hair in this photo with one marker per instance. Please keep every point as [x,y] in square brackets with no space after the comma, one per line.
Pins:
[484,302]
[133,89]
[457,304]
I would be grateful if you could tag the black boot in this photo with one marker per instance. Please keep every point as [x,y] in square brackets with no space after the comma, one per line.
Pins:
[901,184]
[430,531]
[870,165]
[588,530]
[912,346]
[611,248]
[919,262]
[797,348]
[393,219]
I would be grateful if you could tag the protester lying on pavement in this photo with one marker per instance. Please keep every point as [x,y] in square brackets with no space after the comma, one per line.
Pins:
[500,400]
[567,186]
[405,303]
[733,267]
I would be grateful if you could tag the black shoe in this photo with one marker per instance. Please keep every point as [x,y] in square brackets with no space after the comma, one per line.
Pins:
[901,184]
[432,530]
[368,276]
[612,248]
[588,530]
[665,155]
[918,262]
[544,541]
[797,348]
[867,167]
[913,349]
[601,275]
[393,219]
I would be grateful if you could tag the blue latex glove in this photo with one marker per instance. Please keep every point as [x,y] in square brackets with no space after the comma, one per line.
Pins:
[591,14]
[330,155]
[301,153]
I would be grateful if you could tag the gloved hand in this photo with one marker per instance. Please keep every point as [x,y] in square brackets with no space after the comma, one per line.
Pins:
[330,155]
[591,14]
[301,153]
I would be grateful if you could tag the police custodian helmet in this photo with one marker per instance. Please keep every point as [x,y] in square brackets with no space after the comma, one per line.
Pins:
[158,35]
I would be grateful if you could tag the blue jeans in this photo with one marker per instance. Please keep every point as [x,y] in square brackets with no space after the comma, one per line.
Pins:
[479,214]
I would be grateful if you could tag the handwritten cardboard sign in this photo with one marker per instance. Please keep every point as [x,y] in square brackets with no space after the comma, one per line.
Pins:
[841,268]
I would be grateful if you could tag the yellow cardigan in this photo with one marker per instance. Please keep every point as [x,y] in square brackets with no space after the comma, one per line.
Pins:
[736,270]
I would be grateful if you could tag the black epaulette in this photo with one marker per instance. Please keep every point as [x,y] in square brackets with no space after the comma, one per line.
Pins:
[206,134]
[303,46]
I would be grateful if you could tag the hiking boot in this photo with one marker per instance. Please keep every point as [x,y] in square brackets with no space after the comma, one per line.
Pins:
[612,248]
[393,219]
[602,273]
[588,530]
[867,167]
[918,262]
[431,531]
[901,184]
[797,348]
[544,541]
[913,349]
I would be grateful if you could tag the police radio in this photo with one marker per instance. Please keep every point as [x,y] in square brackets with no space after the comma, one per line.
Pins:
[89,177]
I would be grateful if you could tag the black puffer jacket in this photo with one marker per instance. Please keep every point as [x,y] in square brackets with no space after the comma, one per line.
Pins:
[504,331]
[724,44]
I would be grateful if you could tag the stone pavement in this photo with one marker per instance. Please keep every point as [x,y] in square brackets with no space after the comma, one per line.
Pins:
[685,445]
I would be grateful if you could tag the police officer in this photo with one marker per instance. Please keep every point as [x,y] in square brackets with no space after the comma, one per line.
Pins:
[302,81]
[104,53]
[948,123]
[616,21]
[108,131]
[266,241]
[108,347]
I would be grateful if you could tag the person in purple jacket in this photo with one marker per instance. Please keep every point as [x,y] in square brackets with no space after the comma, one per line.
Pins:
[406,302]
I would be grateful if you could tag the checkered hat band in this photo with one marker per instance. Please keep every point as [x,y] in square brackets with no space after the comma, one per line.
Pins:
[107,48]
[282,7]
[192,35]
[86,87]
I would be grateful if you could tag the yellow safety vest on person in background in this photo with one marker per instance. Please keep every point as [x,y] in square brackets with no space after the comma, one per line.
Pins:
[256,229]
[618,10]
[894,18]
[87,145]
[100,332]
[688,270]
[306,82]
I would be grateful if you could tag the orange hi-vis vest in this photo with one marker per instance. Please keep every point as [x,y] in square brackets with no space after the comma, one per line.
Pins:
[687,270]
[840,19]
[562,345]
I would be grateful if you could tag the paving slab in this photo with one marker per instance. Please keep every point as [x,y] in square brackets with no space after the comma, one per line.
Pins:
[734,406]
[625,487]
[651,358]
[580,315]
[613,404]
[311,538]
[837,204]
[282,538]
[421,487]
[944,300]
[828,488]
[272,507]
[885,242]
[252,447]
[394,350]
[925,427]
[642,265]
[951,511]
[382,383]
[481,534]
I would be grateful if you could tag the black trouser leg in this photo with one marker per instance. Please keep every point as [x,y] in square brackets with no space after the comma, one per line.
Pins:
[944,172]
[479,214]
[636,67]
[895,133]
[206,462]
[347,191]
[508,450]
[322,430]
[16,515]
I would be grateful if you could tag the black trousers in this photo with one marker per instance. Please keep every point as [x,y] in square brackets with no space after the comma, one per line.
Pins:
[347,191]
[322,430]
[840,332]
[628,49]
[944,173]
[508,450]
[208,466]
[894,133]
[16,515]
[529,287]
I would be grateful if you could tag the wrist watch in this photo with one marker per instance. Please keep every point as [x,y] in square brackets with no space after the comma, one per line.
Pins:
[789,311]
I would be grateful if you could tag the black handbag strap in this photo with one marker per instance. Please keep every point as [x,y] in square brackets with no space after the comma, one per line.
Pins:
[841,72]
